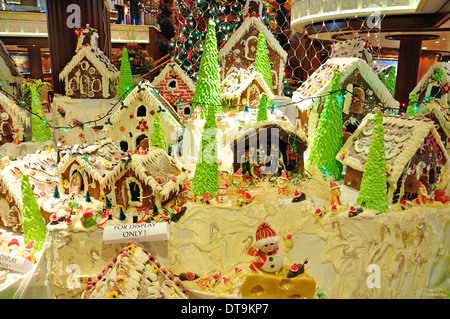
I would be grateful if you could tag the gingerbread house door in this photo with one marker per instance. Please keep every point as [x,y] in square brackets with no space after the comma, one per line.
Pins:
[76,183]
[253,95]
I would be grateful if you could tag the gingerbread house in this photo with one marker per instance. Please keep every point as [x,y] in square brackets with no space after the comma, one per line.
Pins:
[361,87]
[239,51]
[413,150]
[434,84]
[131,179]
[14,121]
[90,74]
[10,77]
[268,149]
[439,114]
[41,168]
[356,47]
[244,88]
[132,126]
[176,87]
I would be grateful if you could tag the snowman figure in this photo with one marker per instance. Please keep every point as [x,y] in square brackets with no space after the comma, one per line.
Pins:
[269,257]
[222,196]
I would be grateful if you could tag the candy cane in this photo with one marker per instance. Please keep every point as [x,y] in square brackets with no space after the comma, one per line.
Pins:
[383,230]
[66,243]
[344,251]
[115,284]
[402,259]
[336,224]
[93,252]
[422,226]
[246,248]
[211,230]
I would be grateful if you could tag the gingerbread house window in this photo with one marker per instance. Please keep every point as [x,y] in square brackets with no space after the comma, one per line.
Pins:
[141,111]
[123,146]
[139,139]
[135,192]
[172,84]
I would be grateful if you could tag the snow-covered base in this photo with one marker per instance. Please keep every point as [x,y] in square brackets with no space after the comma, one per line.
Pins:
[14,151]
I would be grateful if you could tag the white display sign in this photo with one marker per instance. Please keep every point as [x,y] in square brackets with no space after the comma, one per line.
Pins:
[144,232]
[15,263]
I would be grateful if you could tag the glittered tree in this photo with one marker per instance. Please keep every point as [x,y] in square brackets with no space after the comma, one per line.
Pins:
[56,193]
[328,137]
[33,224]
[373,190]
[207,87]
[87,198]
[158,139]
[207,167]
[390,81]
[39,127]
[262,62]
[262,109]
[126,77]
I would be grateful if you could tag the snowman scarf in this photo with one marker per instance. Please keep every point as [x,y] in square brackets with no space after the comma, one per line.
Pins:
[260,259]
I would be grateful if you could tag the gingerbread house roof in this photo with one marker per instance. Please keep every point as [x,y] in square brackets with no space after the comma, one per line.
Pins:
[239,33]
[238,81]
[403,136]
[146,92]
[17,113]
[444,66]
[351,48]
[106,162]
[41,167]
[8,68]
[318,83]
[144,278]
[174,67]
[100,62]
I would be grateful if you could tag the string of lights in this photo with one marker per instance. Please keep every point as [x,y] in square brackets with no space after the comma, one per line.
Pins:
[92,123]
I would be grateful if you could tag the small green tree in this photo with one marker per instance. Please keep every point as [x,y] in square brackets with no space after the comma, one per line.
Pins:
[262,109]
[207,87]
[158,139]
[39,127]
[33,224]
[373,190]
[328,137]
[412,105]
[391,80]
[207,167]
[262,62]
[125,84]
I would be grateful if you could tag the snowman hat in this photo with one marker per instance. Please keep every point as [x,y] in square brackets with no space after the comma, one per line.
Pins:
[265,235]
[223,186]
[13,242]
[30,245]
[297,193]
[333,185]
[283,175]
[420,185]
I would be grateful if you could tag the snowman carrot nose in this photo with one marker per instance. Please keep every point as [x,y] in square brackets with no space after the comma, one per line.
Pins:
[269,248]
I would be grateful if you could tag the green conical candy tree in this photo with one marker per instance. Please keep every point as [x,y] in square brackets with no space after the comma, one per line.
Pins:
[373,190]
[207,167]
[207,87]
[328,137]
[412,105]
[262,62]
[125,84]
[262,109]
[33,224]
[39,127]
[390,81]
[87,198]
[158,139]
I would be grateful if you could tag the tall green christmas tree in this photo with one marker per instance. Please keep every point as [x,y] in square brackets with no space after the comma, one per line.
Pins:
[126,77]
[262,62]
[262,109]
[391,80]
[33,224]
[158,139]
[207,167]
[207,88]
[373,190]
[328,137]
[39,128]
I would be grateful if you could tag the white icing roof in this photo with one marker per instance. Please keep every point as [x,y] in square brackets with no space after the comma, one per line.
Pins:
[317,84]
[445,66]
[16,112]
[238,81]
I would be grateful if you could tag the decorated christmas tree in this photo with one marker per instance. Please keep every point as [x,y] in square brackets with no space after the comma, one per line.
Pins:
[373,190]
[207,88]
[33,224]
[262,109]
[262,62]
[328,137]
[390,81]
[126,77]
[207,167]
[39,128]
[158,139]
